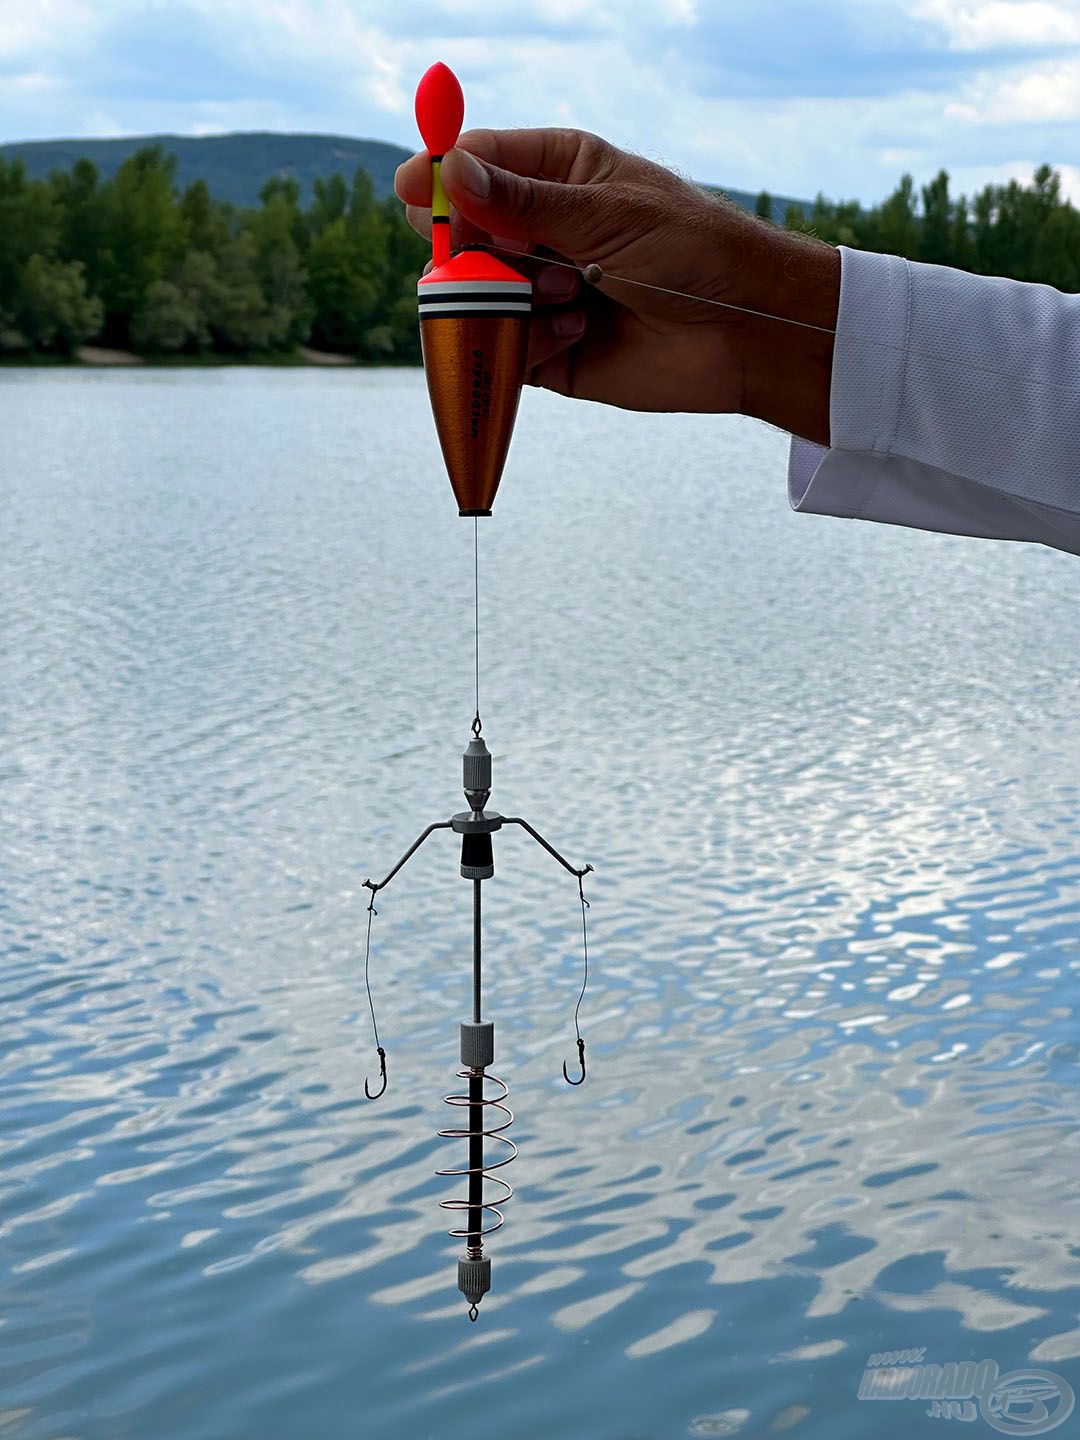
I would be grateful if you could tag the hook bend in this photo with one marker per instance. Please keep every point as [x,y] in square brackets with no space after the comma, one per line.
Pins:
[581,1062]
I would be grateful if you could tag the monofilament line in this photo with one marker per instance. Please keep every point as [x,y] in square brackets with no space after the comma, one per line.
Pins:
[476,618]
[594,274]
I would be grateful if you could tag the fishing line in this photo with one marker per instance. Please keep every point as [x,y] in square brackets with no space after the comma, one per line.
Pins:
[584,983]
[594,273]
[476,725]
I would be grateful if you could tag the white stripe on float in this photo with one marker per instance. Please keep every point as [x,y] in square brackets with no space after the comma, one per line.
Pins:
[470,287]
[475,307]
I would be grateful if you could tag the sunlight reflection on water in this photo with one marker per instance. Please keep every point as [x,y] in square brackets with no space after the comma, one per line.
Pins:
[828,776]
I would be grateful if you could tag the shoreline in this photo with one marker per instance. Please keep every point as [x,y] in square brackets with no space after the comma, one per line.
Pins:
[93,357]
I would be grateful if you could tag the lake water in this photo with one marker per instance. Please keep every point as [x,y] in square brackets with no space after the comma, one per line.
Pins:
[828,774]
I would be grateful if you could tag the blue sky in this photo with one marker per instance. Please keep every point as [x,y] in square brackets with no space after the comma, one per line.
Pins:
[794,95]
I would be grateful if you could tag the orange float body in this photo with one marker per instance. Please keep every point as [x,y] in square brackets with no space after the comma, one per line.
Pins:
[474,334]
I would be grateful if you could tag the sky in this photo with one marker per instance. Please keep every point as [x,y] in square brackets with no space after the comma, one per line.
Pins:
[795,96]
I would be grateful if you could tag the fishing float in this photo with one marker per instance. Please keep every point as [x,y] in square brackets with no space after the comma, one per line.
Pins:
[474,324]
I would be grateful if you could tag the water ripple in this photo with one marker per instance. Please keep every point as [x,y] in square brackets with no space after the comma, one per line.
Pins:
[828,775]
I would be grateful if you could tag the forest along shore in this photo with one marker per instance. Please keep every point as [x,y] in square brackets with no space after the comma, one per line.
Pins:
[108,272]
[131,266]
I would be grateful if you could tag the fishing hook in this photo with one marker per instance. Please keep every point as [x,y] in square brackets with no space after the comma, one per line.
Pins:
[585,980]
[581,1062]
[374,1095]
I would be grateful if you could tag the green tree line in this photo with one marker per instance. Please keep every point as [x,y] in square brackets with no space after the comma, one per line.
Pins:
[132,264]
[1027,232]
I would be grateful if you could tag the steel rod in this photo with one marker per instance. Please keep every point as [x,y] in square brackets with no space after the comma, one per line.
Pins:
[476,1160]
[476,952]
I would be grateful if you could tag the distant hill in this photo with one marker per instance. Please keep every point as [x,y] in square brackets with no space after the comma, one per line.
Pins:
[237,166]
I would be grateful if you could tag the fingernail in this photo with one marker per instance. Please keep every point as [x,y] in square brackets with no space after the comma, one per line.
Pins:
[569,324]
[556,283]
[475,177]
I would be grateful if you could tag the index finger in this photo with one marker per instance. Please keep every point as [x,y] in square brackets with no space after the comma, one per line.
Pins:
[569,156]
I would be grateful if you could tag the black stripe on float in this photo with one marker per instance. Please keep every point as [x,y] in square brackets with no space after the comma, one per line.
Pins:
[443,313]
[466,297]
[440,219]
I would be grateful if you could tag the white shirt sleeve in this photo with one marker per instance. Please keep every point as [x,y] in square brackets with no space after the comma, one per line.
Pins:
[955,405]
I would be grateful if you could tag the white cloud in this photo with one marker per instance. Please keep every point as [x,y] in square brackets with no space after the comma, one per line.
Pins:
[1043,93]
[31,82]
[1070,182]
[969,179]
[632,72]
[1015,24]
[28,32]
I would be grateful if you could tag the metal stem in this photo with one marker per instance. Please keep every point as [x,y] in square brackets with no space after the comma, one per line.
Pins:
[474,1239]
[476,951]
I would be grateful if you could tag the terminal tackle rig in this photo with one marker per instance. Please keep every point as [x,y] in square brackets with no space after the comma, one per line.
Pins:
[488,1115]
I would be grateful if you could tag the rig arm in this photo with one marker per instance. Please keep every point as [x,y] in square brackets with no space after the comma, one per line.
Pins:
[516,820]
[438,825]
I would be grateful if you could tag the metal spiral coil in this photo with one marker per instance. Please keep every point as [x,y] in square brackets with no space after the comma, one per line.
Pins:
[489,1132]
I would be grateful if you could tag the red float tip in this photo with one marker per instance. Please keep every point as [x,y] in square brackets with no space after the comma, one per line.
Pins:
[440,109]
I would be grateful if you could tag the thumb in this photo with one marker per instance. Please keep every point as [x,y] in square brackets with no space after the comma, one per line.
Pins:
[573,219]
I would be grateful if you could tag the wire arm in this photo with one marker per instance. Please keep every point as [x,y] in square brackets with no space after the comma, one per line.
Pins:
[438,825]
[516,820]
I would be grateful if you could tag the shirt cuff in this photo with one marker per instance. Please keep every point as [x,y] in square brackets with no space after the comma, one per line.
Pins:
[896,490]
[860,475]
[867,387]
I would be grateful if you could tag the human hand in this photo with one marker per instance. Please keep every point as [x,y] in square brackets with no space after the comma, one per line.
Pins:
[570,196]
